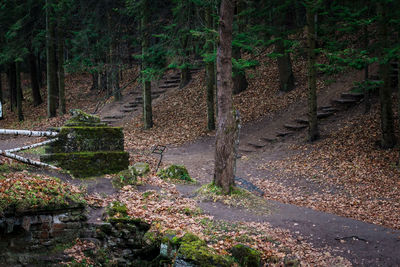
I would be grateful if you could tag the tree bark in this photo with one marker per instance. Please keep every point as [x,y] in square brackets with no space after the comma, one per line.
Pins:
[313,132]
[239,78]
[95,81]
[12,86]
[286,78]
[185,71]
[51,65]
[367,90]
[1,86]
[37,99]
[19,92]
[226,128]
[388,139]
[147,109]
[210,72]
[60,70]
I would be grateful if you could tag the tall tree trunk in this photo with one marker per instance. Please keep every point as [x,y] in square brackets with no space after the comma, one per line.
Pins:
[313,132]
[19,92]
[226,129]
[185,71]
[210,72]
[239,78]
[147,109]
[388,139]
[95,81]
[50,64]
[1,86]
[60,70]
[12,85]
[286,78]
[367,90]
[37,99]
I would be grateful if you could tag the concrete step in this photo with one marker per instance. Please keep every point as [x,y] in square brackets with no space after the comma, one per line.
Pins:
[295,127]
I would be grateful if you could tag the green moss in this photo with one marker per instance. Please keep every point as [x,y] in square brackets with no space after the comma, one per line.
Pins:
[87,164]
[123,178]
[84,138]
[177,172]
[117,209]
[81,118]
[246,256]
[194,250]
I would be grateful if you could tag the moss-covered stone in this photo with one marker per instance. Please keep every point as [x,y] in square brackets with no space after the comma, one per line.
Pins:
[196,252]
[83,138]
[117,209]
[125,177]
[140,168]
[177,172]
[87,164]
[246,256]
[80,118]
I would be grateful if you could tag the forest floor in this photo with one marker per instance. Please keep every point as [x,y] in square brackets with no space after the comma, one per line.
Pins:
[335,202]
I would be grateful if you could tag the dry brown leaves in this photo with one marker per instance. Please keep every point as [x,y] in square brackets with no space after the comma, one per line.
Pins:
[365,177]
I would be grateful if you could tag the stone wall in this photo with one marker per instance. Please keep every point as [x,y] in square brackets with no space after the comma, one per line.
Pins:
[28,239]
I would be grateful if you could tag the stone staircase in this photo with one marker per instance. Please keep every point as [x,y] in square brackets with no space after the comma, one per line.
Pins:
[133,101]
[341,104]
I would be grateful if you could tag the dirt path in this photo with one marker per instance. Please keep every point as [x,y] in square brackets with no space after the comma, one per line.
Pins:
[362,243]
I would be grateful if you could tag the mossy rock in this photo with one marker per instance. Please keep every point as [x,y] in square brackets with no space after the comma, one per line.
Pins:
[195,252]
[140,168]
[117,209]
[246,256]
[177,172]
[80,118]
[125,177]
[87,164]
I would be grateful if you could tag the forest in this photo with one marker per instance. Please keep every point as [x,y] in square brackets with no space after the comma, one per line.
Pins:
[199,133]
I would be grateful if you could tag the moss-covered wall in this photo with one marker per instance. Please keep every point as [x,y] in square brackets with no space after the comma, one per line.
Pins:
[86,164]
[82,138]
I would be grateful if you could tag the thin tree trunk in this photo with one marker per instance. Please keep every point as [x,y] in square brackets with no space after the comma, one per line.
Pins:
[37,99]
[28,133]
[147,109]
[210,72]
[286,78]
[388,139]
[226,127]
[313,132]
[19,92]
[51,66]
[95,81]
[12,85]
[1,87]
[61,74]
[185,71]
[367,90]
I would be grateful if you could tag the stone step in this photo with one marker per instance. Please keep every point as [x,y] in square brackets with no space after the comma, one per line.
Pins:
[321,115]
[345,101]
[128,110]
[131,105]
[268,139]
[114,117]
[172,81]
[109,121]
[159,92]
[350,95]
[301,121]
[169,86]
[283,134]
[175,77]
[295,127]
[256,145]
[244,149]
[330,110]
